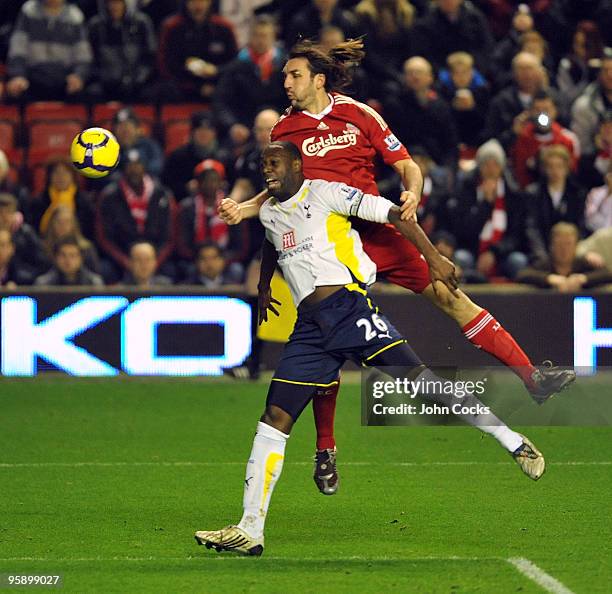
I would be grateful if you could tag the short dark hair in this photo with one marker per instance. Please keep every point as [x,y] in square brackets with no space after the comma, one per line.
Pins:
[68,240]
[204,245]
[287,147]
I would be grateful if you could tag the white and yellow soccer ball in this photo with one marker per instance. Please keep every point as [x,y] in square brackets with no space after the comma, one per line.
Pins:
[94,152]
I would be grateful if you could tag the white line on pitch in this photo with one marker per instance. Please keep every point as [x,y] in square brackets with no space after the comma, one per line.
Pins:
[241,463]
[539,576]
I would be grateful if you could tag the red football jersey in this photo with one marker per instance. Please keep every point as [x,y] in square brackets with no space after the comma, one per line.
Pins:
[340,143]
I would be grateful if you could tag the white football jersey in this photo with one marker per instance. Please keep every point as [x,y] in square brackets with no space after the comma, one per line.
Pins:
[313,237]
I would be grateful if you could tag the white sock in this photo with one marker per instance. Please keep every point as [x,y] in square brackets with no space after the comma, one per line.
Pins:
[487,423]
[262,471]
[509,439]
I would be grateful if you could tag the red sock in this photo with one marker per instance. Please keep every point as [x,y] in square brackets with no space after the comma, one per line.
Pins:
[486,333]
[324,408]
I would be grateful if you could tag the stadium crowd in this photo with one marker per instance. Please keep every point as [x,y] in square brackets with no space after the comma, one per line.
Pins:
[506,106]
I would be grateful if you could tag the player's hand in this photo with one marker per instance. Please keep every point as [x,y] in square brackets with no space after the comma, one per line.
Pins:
[266,302]
[443,270]
[409,205]
[230,212]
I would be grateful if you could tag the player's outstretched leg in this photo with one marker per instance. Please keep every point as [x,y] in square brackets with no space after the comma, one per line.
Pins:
[402,362]
[262,472]
[486,333]
[324,408]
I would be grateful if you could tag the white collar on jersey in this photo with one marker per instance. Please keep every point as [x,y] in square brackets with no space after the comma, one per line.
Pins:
[321,115]
[296,198]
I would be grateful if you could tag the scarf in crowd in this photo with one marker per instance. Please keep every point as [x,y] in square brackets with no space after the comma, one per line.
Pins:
[57,197]
[138,203]
[207,224]
[265,63]
[494,229]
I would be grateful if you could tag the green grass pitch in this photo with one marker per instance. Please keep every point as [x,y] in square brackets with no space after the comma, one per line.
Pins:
[105,481]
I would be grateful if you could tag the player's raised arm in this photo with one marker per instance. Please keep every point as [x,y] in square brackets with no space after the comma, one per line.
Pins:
[350,201]
[412,178]
[233,213]
[266,302]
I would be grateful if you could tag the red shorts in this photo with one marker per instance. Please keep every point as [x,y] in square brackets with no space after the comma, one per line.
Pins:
[397,259]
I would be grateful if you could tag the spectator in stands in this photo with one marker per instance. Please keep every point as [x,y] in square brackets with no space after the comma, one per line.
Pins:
[242,13]
[210,268]
[135,208]
[129,133]
[598,210]
[591,105]
[563,270]
[389,39]
[542,129]
[534,43]
[510,109]
[12,272]
[467,92]
[556,197]
[252,81]
[159,10]
[142,267]
[68,267]
[593,167]
[63,223]
[204,144]
[579,67]
[49,55]
[62,189]
[7,186]
[418,114]
[308,21]
[198,220]
[28,247]
[452,26]
[596,249]
[489,215]
[194,45]
[124,45]
[510,45]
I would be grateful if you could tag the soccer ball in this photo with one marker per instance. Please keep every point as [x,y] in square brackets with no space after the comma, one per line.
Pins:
[94,152]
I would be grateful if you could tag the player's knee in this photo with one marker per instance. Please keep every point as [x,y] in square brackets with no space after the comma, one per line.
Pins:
[278,418]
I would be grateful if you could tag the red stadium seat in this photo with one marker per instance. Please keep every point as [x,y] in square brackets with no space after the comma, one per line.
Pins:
[10,113]
[181,111]
[15,159]
[10,126]
[46,111]
[176,134]
[7,135]
[55,136]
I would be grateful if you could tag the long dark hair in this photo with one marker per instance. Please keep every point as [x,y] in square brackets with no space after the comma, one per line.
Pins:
[334,63]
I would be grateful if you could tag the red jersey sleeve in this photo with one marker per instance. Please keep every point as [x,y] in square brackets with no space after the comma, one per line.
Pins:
[382,139]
